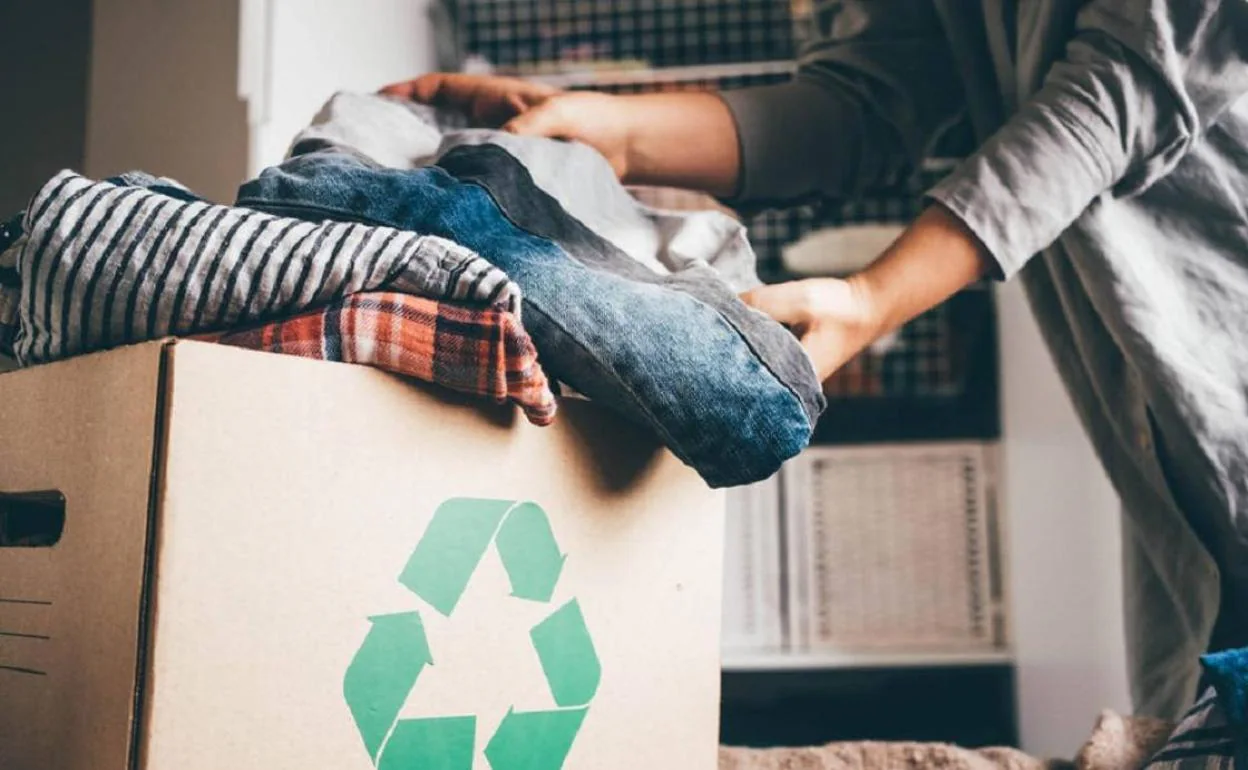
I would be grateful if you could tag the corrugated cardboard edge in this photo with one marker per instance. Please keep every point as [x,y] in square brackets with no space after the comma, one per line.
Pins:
[156,490]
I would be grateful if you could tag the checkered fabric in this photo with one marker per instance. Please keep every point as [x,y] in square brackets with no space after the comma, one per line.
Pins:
[483,352]
[667,33]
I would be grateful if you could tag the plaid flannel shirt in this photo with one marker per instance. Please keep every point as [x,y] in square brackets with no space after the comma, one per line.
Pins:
[480,351]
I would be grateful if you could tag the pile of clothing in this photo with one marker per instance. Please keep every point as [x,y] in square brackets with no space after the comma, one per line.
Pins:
[511,268]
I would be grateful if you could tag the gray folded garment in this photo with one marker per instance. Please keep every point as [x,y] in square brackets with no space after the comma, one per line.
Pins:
[102,264]
[396,133]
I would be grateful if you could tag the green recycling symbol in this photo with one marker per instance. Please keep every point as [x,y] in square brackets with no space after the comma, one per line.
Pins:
[388,664]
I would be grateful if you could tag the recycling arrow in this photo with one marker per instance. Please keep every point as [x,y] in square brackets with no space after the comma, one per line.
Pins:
[534,740]
[451,549]
[529,552]
[384,673]
[444,743]
[567,654]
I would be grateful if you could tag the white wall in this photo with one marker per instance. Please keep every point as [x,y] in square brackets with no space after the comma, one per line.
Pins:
[1064,547]
[164,93]
[318,47]
[212,93]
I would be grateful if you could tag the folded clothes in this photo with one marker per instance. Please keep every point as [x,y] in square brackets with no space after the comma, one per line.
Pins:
[100,264]
[730,391]
[480,351]
[401,134]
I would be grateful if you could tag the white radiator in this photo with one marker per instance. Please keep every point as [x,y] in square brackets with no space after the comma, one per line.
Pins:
[894,548]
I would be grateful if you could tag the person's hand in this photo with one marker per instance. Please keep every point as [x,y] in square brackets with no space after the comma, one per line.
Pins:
[834,319]
[487,100]
[528,109]
[687,140]
[598,120]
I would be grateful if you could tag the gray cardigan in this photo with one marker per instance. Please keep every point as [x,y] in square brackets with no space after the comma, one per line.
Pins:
[1111,172]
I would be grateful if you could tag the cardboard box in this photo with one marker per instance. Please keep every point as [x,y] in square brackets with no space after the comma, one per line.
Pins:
[753,573]
[270,563]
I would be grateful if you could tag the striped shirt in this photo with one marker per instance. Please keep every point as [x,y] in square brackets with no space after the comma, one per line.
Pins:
[101,265]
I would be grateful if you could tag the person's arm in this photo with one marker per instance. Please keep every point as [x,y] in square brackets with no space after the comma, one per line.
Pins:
[864,106]
[836,319]
[862,109]
[685,140]
[682,140]
[870,96]
[1140,81]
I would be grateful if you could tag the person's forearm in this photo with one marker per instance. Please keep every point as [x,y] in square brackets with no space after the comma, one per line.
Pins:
[934,259]
[686,140]
[836,319]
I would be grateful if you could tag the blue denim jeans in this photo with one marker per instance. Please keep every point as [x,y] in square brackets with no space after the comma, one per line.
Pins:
[730,400]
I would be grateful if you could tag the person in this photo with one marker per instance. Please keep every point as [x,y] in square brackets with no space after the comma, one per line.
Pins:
[1109,172]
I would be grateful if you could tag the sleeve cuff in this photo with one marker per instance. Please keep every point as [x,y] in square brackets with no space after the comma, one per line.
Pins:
[1005,263]
[1025,186]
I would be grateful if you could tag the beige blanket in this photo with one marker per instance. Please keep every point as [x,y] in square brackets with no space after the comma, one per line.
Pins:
[1117,743]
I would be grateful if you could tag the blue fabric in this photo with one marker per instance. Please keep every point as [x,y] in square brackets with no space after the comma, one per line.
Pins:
[657,355]
[528,207]
[1227,673]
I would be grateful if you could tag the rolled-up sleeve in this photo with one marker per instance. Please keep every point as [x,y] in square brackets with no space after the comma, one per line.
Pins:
[869,96]
[1139,82]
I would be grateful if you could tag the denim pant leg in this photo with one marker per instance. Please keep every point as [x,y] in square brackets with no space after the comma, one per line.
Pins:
[524,203]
